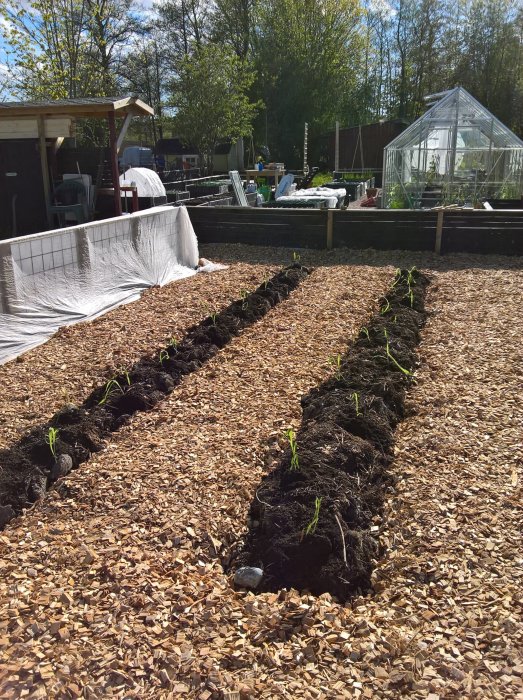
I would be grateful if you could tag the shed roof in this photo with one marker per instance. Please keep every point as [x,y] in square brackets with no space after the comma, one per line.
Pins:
[78,107]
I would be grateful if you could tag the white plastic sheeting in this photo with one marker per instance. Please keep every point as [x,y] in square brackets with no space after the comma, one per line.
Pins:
[155,247]
[333,198]
[147,182]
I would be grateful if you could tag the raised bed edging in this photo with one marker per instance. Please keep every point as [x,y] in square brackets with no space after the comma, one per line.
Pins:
[32,465]
[475,231]
[313,518]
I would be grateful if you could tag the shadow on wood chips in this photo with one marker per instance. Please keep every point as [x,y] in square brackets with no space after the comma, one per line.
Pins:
[311,518]
[32,465]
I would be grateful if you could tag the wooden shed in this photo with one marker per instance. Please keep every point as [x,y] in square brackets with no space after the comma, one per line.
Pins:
[30,135]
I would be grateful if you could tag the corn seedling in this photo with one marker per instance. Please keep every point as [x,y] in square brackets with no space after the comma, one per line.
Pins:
[164,355]
[50,439]
[311,527]
[296,257]
[356,397]
[411,297]
[385,307]
[397,277]
[173,343]
[336,361]
[243,297]
[410,277]
[291,437]
[365,332]
[392,358]
[110,388]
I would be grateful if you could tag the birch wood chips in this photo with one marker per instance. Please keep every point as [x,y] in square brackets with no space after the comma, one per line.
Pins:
[114,587]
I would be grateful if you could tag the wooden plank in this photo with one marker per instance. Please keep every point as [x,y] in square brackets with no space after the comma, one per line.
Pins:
[45,168]
[439,231]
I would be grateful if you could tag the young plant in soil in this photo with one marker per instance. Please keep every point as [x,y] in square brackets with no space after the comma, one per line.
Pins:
[295,460]
[336,361]
[356,398]
[50,440]
[111,388]
[392,358]
[311,527]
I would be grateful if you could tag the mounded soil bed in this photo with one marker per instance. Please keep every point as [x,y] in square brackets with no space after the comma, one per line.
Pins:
[312,517]
[31,466]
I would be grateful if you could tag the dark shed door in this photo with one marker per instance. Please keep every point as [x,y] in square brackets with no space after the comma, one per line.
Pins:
[21,189]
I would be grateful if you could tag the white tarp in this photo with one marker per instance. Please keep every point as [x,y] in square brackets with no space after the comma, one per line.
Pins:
[120,268]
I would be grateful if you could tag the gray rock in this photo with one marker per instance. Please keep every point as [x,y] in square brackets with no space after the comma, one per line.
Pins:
[248,577]
[6,514]
[62,466]
[37,486]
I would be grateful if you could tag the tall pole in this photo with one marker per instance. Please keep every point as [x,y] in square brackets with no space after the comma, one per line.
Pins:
[337,148]
[114,163]
[305,144]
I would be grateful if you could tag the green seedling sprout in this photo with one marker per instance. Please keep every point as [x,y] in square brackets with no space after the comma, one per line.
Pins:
[336,361]
[243,296]
[164,355]
[411,298]
[365,332]
[212,316]
[385,307]
[397,277]
[392,358]
[173,343]
[311,527]
[296,257]
[110,388]
[291,437]
[50,439]
[410,277]
[355,396]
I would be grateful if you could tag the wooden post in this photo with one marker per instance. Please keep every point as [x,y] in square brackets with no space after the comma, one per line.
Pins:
[439,232]
[330,227]
[45,168]
[114,164]
[337,147]
[7,279]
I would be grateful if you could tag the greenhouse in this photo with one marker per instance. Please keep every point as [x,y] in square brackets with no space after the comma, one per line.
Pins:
[456,153]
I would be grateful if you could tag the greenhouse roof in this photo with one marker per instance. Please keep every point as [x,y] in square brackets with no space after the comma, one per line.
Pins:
[458,107]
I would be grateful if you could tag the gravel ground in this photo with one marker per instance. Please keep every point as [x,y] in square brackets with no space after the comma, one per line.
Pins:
[114,587]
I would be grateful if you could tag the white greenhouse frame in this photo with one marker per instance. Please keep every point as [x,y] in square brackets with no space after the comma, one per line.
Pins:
[456,153]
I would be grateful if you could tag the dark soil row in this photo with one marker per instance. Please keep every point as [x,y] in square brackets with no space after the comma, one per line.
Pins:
[31,466]
[311,518]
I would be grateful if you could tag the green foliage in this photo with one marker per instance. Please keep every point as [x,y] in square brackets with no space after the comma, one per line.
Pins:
[65,48]
[321,179]
[50,439]
[295,461]
[311,527]
[111,387]
[356,398]
[392,358]
[163,356]
[210,96]
[336,361]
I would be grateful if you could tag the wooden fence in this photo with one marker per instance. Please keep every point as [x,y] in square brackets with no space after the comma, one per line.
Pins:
[449,231]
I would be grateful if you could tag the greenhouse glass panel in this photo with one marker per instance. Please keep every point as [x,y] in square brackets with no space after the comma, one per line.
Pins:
[456,153]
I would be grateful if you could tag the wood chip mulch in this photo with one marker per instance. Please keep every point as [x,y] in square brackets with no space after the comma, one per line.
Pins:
[80,357]
[113,586]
